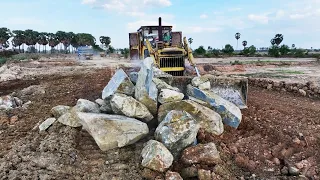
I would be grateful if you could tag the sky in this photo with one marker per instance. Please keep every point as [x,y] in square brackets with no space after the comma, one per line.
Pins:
[209,22]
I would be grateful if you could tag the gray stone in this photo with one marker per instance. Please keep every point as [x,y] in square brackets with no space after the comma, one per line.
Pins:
[205,86]
[209,120]
[204,174]
[167,95]
[146,91]
[302,92]
[46,124]
[113,131]
[105,106]
[70,118]
[156,156]
[134,77]
[177,131]
[119,83]
[230,113]
[7,102]
[293,171]
[201,154]
[84,105]
[163,85]
[128,106]
[189,172]
[173,176]
[59,110]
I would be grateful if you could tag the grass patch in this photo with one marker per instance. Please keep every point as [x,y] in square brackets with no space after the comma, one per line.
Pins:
[287,71]
[265,75]
[2,60]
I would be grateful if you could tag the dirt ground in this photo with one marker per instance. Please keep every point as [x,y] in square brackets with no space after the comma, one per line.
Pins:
[277,130]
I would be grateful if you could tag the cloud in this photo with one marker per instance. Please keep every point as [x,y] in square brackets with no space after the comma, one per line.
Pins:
[157,3]
[280,14]
[234,9]
[199,29]
[300,16]
[262,19]
[23,21]
[88,1]
[203,16]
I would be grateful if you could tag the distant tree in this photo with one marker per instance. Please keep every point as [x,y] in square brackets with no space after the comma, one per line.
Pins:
[126,52]
[31,39]
[105,40]
[273,41]
[18,38]
[274,51]
[293,46]
[278,39]
[252,50]
[284,50]
[85,39]
[53,41]
[228,49]
[200,50]
[111,49]
[244,44]
[190,40]
[237,36]
[5,35]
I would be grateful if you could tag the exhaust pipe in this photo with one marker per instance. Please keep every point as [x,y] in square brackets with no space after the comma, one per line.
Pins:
[160,30]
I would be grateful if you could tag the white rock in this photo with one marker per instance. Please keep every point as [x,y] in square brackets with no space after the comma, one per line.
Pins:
[46,124]
[156,156]
[205,86]
[119,83]
[128,106]
[112,131]
[167,95]
[70,118]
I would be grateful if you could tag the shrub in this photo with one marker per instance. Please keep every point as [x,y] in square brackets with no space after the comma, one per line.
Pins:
[200,50]
[2,60]
[284,50]
[20,57]
[274,51]
[236,62]
[228,49]
[299,53]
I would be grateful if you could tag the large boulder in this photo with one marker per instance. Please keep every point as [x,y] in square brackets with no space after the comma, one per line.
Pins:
[146,91]
[201,154]
[167,95]
[59,110]
[71,118]
[119,83]
[209,120]
[128,106]
[177,131]
[113,131]
[156,156]
[84,105]
[230,113]
[163,85]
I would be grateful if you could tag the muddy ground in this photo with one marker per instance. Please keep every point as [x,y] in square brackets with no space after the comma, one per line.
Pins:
[277,130]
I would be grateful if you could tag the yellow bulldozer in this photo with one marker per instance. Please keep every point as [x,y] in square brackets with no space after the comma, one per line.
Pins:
[164,46]
[169,50]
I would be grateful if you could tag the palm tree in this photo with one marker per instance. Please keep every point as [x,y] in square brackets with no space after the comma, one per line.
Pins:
[31,38]
[52,40]
[190,40]
[293,46]
[85,39]
[244,44]
[278,39]
[237,36]
[5,35]
[273,41]
[18,38]
[42,40]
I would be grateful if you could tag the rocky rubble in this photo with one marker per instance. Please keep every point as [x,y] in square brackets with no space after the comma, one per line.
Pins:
[9,102]
[122,116]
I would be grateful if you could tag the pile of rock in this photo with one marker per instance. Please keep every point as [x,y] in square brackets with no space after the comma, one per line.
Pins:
[310,89]
[123,114]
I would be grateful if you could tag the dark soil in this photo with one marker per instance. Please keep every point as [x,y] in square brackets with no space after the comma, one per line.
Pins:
[269,130]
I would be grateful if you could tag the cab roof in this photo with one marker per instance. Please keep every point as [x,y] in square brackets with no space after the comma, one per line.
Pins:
[154,28]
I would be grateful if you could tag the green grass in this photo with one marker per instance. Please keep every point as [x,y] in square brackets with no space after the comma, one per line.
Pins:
[2,60]
[288,71]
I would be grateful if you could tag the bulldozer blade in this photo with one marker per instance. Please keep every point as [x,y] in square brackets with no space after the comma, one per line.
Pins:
[233,89]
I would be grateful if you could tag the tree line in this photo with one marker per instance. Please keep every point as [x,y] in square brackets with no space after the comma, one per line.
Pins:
[66,41]
[275,49]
